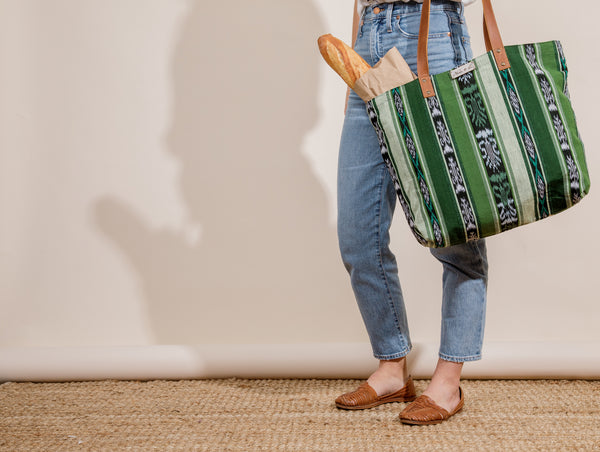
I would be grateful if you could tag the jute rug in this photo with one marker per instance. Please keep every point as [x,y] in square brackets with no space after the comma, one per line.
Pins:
[290,415]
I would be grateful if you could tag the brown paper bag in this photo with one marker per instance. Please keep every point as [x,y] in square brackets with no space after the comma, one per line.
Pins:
[391,71]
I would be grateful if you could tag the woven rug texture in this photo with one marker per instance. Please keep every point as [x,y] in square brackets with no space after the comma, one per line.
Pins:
[290,415]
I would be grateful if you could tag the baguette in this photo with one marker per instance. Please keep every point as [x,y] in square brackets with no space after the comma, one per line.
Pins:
[343,59]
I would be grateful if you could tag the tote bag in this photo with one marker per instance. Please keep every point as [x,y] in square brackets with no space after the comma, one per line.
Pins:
[483,148]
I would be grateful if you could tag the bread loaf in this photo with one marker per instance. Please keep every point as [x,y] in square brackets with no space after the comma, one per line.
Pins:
[342,59]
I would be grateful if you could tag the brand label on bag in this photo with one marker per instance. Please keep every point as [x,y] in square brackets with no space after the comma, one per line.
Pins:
[461,70]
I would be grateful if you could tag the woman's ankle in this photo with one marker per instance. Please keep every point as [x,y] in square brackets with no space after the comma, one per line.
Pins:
[447,372]
[390,376]
[443,388]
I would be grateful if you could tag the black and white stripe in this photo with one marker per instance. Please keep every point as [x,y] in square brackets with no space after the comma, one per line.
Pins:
[453,167]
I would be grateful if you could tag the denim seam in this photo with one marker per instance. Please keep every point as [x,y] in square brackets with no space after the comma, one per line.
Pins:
[460,359]
[459,53]
[401,354]
[373,41]
[460,45]
[377,41]
[379,255]
[482,266]
[482,327]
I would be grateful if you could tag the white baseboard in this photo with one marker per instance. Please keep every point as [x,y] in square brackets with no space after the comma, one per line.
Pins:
[569,360]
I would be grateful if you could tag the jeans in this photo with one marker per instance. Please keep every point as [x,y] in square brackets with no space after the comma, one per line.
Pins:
[366,198]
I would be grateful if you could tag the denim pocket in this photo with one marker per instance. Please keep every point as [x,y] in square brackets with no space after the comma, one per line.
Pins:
[409,24]
[466,45]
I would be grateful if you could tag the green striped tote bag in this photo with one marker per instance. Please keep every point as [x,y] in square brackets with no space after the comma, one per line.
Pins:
[486,147]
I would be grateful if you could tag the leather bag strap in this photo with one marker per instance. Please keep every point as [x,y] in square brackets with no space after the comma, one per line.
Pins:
[493,42]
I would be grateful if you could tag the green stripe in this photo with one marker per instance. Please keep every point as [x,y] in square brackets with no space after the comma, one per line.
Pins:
[478,185]
[461,132]
[434,165]
[511,149]
[550,62]
[388,118]
[422,163]
[444,88]
[534,105]
[439,84]
[546,53]
[533,162]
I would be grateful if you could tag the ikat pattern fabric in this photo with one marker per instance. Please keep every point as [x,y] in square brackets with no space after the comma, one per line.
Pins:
[492,150]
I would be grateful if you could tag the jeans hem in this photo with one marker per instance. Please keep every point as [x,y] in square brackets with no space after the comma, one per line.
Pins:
[401,354]
[460,359]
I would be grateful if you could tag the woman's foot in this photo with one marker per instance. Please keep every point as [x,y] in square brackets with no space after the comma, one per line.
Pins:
[424,411]
[389,383]
[442,398]
[443,388]
[389,377]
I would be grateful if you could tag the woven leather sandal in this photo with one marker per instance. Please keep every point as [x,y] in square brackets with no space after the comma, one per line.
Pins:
[424,411]
[366,397]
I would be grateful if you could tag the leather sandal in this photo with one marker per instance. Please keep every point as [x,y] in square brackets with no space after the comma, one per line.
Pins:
[366,397]
[424,411]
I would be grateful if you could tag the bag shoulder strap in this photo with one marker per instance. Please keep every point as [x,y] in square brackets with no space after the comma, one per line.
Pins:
[491,33]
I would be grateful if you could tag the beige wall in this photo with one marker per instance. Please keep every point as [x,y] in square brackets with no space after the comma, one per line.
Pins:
[167,176]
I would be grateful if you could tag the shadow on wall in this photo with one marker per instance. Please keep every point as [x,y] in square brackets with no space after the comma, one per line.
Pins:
[266,267]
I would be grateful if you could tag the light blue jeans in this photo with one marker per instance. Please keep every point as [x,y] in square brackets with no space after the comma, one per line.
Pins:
[366,199]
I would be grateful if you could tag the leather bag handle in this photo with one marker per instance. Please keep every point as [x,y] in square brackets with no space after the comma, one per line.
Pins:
[493,42]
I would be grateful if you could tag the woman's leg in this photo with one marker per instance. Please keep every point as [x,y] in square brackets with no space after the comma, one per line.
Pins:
[465,266]
[366,202]
[463,317]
